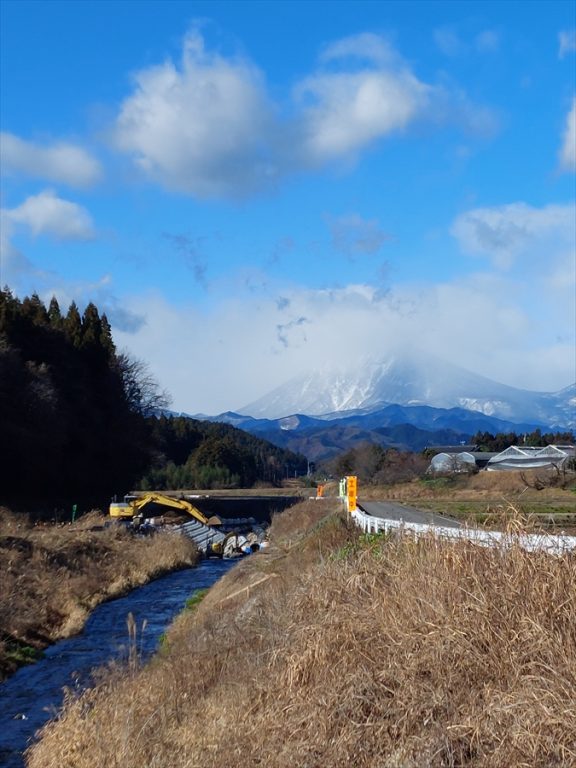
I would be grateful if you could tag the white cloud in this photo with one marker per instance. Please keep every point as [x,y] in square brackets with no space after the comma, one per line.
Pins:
[207,127]
[366,46]
[200,127]
[60,162]
[451,44]
[43,214]
[344,113]
[452,105]
[566,42]
[48,214]
[568,150]
[508,232]
[262,340]
[362,93]
[501,328]
[13,263]
[527,307]
[515,325]
[493,324]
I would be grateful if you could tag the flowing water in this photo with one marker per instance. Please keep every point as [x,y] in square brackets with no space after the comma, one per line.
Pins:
[34,694]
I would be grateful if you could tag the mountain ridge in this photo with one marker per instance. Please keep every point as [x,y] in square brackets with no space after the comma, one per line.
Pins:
[411,428]
[407,402]
[412,380]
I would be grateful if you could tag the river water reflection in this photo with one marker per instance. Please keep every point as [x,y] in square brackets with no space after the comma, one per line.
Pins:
[34,693]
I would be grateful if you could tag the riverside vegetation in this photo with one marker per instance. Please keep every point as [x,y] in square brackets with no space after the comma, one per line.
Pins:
[54,575]
[337,649]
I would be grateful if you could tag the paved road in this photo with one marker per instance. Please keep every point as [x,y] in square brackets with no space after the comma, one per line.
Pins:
[391,510]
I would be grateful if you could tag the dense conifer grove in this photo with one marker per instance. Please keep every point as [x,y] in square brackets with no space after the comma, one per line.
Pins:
[77,424]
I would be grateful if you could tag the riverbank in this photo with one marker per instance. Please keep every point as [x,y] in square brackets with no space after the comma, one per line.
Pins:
[332,648]
[54,575]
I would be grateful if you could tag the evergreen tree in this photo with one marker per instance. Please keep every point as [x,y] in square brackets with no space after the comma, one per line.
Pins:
[73,326]
[54,314]
[91,326]
[92,336]
[106,341]
[9,308]
[34,309]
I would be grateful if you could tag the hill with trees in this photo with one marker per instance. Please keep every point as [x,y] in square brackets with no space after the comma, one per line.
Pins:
[78,424]
[202,454]
[72,408]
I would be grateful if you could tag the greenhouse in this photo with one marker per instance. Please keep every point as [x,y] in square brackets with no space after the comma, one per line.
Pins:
[448,463]
[528,457]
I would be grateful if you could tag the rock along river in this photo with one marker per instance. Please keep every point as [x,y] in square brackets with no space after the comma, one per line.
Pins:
[34,693]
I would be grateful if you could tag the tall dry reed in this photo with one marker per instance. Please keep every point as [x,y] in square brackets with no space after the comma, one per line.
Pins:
[369,652]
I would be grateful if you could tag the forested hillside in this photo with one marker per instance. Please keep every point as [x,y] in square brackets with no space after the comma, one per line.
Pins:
[72,409]
[202,454]
[77,423]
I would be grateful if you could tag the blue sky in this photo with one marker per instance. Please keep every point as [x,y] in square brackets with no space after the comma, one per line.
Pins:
[252,189]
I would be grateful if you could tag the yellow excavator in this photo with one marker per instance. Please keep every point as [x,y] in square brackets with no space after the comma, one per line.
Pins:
[136,506]
[204,530]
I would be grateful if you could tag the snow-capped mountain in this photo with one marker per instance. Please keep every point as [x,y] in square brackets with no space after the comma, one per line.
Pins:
[412,380]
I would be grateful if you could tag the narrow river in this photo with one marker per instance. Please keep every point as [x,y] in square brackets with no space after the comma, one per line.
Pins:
[34,694]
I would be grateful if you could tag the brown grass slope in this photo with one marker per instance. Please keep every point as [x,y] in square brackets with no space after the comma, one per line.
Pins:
[340,650]
[53,576]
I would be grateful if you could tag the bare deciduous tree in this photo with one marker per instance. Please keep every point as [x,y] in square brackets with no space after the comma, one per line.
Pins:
[142,391]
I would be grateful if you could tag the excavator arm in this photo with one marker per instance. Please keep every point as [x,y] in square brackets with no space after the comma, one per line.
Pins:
[139,505]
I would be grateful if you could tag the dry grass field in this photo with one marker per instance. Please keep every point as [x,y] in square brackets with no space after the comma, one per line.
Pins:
[52,576]
[483,485]
[333,649]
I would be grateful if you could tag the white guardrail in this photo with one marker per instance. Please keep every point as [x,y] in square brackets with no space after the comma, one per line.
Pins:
[552,544]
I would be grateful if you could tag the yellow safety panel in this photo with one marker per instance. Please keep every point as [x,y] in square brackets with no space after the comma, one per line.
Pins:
[351,492]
